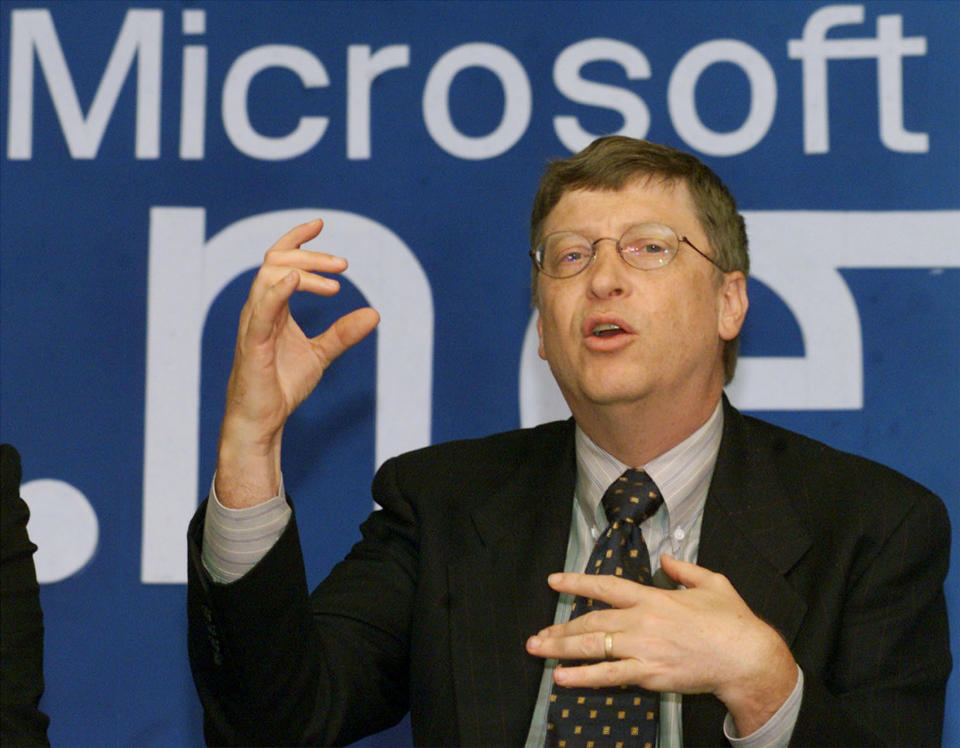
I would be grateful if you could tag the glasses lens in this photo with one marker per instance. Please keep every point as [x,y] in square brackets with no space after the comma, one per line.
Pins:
[648,246]
[563,254]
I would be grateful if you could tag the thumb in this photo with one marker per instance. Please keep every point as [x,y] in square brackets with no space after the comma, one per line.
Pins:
[344,333]
[682,572]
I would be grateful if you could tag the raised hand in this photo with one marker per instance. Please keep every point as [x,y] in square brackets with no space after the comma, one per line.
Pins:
[276,366]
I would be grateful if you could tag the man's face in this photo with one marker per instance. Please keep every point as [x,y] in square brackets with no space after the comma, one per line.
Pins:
[669,324]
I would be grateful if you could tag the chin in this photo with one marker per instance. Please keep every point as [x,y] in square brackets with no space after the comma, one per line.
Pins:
[613,393]
[619,385]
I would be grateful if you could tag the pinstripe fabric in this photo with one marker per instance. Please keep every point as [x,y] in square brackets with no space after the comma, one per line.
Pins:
[236,539]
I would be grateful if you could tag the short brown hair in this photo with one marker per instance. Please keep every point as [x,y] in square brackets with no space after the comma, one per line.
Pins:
[610,162]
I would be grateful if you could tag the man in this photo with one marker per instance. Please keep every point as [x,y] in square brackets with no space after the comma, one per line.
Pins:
[797,591]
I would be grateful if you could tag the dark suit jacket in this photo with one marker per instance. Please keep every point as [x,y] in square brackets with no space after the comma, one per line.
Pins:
[21,619]
[431,610]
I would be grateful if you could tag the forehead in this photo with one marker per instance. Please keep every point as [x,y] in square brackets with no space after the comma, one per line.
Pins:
[602,211]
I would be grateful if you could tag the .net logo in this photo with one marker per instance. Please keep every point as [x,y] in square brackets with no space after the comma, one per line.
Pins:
[187,271]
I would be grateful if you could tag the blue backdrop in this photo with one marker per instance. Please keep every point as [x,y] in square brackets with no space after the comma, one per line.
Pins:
[153,151]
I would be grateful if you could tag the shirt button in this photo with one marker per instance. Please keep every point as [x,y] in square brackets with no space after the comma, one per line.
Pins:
[594,533]
[679,534]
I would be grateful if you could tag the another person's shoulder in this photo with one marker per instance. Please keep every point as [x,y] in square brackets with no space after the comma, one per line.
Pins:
[14,513]
[10,471]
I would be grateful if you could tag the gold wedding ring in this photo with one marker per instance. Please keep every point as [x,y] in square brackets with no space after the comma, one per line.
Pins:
[608,646]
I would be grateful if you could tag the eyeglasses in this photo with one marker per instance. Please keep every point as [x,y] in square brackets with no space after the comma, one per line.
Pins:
[644,246]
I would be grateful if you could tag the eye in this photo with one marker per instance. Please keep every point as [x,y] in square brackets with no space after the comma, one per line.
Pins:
[570,256]
[648,247]
[566,251]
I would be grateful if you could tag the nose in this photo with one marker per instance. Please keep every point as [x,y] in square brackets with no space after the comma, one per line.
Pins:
[607,272]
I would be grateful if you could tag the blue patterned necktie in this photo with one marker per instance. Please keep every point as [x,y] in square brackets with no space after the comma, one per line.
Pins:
[619,715]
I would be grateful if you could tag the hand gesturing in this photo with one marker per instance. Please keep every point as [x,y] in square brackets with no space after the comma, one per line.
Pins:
[276,366]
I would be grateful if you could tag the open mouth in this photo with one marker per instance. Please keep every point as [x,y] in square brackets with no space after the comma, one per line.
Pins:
[606,330]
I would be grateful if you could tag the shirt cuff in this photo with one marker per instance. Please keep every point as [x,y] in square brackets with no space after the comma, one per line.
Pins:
[234,540]
[776,731]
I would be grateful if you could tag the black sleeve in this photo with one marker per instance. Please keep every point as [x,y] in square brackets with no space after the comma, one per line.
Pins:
[21,619]
[887,680]
[274,665]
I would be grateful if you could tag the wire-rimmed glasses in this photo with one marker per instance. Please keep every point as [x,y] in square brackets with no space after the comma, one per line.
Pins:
[644,246]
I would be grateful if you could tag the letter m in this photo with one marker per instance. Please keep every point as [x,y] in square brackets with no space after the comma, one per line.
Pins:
[140,36]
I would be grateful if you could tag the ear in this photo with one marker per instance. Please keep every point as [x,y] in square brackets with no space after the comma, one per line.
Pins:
[732,304]
[540,350]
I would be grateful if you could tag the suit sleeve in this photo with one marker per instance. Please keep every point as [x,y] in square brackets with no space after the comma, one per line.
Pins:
[885,682]
[21,628]
[275,665]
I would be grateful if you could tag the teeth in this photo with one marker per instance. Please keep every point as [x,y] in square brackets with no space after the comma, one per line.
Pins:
[605,328]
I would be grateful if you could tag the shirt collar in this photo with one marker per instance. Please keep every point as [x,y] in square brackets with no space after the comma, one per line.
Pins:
[682,473]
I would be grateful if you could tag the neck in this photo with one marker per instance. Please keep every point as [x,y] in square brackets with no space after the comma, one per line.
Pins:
[637,432]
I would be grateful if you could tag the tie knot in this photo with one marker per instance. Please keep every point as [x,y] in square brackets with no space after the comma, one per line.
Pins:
[633,497]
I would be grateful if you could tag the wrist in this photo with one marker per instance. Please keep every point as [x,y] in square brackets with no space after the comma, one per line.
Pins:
[248,470]
[759,694]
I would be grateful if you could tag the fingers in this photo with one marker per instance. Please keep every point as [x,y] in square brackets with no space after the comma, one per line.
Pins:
[278,263]
[615,591]
[345,333]
[305,259]
[687,574]
[299,234]
[286,254]
[615,665]
[287,268]
[270,307]
[702,638]
[590,645]
[596,675]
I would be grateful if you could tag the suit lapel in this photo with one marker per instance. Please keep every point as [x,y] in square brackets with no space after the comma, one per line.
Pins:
[502,597]
[751,534]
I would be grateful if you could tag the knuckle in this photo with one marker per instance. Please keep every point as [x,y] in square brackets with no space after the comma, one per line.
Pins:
[610,670]
[262,277]
[586,645]
[605,583]
[720,579]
